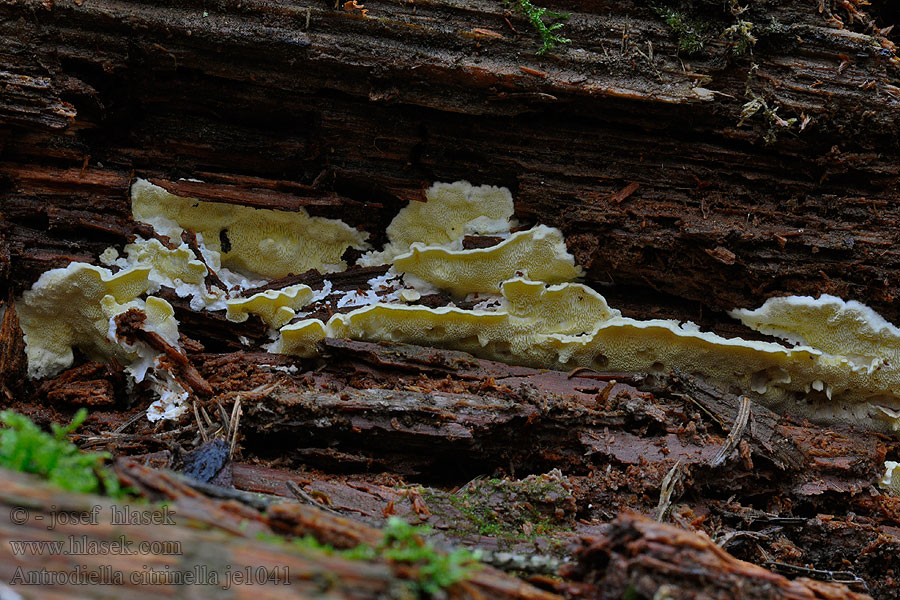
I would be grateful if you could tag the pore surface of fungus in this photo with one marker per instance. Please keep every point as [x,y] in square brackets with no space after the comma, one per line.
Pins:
[271,243]
[570,325]
[274,307]
[451,211]
[830,324]
[300,338]
[539,254]
[72,307]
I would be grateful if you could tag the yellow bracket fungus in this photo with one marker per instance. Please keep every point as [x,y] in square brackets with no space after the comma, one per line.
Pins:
[891,479]
[176,268]
[271,243]
[450,212]
[569,308]
[539,254]
[300,338]
[835,326]
[73,307]
[570,325]
[275,307]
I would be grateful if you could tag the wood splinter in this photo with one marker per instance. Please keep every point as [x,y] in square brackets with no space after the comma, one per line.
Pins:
[129,328]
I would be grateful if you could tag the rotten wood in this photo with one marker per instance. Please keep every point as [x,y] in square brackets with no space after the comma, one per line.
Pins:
[638,151]
[641,558]
[619,109]
[360,414]
[206,531]
[91,384]
[130,329]
[13,364]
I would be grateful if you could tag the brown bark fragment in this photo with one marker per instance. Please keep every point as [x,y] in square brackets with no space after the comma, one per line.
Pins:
[129,328]
[13,364]
[90,384]
[640,557]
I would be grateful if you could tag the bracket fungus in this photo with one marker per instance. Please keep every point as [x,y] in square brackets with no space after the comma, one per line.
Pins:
[270,243]
[73,307]
[451,211]
[177,268]
[841,363]
[539,253]
[274,307]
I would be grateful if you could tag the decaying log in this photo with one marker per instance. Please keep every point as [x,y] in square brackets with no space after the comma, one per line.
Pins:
[13,364]
[640,558]
[199,535]
[645,155]
[714,175]
[471,414]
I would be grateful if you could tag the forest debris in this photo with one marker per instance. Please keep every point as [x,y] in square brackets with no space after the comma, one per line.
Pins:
[130,328]
[669,483]
[638,557]
[89,384]
[352,5]
[625,192]
[13,364]
[734,436]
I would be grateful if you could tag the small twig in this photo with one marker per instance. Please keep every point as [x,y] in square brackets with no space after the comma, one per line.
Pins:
[665,493]
[223,414]
[200,423]
[735,535]
[236,420]
[731,442]
[467,485]
[306,498]
[127,423]
[206,416]
[846,577]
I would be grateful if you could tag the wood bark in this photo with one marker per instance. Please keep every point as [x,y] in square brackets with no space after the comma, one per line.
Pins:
[676,200]
[351,115]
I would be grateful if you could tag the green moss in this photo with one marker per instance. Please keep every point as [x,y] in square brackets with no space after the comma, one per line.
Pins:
[741,35]
[406,544]
[527,509]
[775,125]
[25,448]
[536,16]
[690,32]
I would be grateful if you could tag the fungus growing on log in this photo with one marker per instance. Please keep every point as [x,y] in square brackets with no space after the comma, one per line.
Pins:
[271,243]
[274,307]
[841,367]
[451,211]
[539,254]
[72,307]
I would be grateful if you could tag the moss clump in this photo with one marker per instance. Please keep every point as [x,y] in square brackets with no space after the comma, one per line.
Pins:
[406,544]
[536,16]
[539,506]
[27,449]
[691,33]
[775,125]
